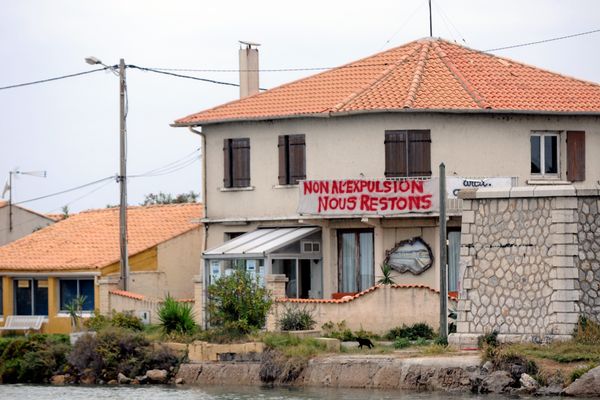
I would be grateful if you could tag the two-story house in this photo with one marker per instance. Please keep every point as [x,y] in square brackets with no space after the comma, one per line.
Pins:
[313,173]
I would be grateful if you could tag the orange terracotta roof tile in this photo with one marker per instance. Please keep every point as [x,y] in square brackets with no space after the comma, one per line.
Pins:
[427,74]
[137,296]
[348,299]
[90,239]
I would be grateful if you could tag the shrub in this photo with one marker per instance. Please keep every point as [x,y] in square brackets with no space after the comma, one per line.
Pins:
[489,340]
[115,350]
[176,317]
[413,332]
[338,331]
[296,319]
[32,359]
[401,343]
[238,302]
[126,320]
[587,332]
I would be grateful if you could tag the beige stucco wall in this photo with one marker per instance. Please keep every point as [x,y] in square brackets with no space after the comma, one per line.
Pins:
[377,311]
[24,223]
[178,262]
[469,145]
[387,233]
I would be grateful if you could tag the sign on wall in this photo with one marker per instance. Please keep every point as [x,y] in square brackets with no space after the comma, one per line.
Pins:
[454,184]
[413,255]
[368,196]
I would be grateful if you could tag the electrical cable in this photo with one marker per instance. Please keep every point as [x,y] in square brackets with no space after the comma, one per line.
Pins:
[404,23]
[53,79]
[162,168]
[66,190]
[543,41]
[184,76]
[446,18]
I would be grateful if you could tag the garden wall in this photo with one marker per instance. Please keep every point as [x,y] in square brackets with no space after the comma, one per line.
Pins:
[377,309]
[529,260]
[122,301]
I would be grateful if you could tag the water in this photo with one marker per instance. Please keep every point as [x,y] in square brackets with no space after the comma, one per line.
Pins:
[41,392]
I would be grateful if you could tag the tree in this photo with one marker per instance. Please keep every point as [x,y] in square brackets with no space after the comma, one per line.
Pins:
[167,198]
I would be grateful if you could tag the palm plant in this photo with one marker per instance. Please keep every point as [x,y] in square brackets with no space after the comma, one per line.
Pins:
[386,272]
[74,309]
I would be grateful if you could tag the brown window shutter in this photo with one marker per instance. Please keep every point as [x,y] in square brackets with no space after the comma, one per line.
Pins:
[240,151]
[576,156]
[227,177]
[395,153]
[282,148]
[297,159]
[419,152]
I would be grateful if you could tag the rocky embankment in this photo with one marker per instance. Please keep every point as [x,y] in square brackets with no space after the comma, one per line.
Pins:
[457,373]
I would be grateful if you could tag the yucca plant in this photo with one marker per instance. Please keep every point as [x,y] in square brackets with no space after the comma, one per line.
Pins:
[386,272]
[175,316]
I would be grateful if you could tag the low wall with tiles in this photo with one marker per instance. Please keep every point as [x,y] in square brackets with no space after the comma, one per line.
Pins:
[137,304]
[529,257]
[377,309]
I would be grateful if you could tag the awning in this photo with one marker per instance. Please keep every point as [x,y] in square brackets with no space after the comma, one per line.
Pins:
[259,243]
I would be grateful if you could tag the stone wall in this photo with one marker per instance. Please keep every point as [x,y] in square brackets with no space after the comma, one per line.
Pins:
[528,262]
[588,260]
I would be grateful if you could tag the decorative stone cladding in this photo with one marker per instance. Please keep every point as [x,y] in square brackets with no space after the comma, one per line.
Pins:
[588,260]
[529,258]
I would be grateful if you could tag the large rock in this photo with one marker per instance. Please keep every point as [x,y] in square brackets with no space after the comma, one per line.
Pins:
[496,382]
[528,384]
[57,380]
[157,375]
[122,379]
[587,385]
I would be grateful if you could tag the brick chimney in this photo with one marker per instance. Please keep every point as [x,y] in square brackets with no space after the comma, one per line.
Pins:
[248,69]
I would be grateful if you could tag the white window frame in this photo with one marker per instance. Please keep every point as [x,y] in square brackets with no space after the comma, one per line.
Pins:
[542,135]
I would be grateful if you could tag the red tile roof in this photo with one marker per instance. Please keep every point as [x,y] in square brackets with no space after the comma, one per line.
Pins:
[427,74]
[348,299]
[90,239]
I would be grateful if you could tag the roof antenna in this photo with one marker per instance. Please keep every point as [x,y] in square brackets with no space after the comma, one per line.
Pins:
[430,23]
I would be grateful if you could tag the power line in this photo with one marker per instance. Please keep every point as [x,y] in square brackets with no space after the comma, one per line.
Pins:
[184,76]
[53,79]
[544,41]
[171,167]
[66,190]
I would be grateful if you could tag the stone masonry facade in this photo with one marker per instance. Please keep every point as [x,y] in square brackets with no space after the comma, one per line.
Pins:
[529,261]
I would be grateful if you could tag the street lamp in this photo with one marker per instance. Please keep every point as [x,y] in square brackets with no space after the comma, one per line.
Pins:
[122,178]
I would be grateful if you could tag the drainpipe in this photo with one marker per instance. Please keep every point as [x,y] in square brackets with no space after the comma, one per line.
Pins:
[203,197]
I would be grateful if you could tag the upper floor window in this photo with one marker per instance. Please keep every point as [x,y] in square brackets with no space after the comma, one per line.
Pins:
[236,155]
[292,159]
[408,153]
[545,148]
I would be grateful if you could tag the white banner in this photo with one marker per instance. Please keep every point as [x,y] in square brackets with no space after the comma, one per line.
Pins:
[368,196]
[454,184]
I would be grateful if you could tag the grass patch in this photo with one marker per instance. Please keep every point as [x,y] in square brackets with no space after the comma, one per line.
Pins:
[562,352]
[292,346]
[435,349]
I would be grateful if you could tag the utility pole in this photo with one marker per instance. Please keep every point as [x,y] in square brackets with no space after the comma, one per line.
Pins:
[443,258]
[123,177]
[10,186]
[430,22]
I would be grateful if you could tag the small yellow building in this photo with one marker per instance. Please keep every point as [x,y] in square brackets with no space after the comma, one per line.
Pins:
[40,274]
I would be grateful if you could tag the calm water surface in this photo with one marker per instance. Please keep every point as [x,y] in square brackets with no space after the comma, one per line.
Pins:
[35,392]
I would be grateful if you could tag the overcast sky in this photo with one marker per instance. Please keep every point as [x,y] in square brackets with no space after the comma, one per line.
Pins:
[70,128]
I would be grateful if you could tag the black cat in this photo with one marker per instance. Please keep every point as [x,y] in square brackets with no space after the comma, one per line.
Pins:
[364,342]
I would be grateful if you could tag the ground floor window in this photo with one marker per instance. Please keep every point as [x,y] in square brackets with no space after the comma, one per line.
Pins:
[70,289]
[1,297]
[31,296]
[355,260]
[219,268]
[304,277]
